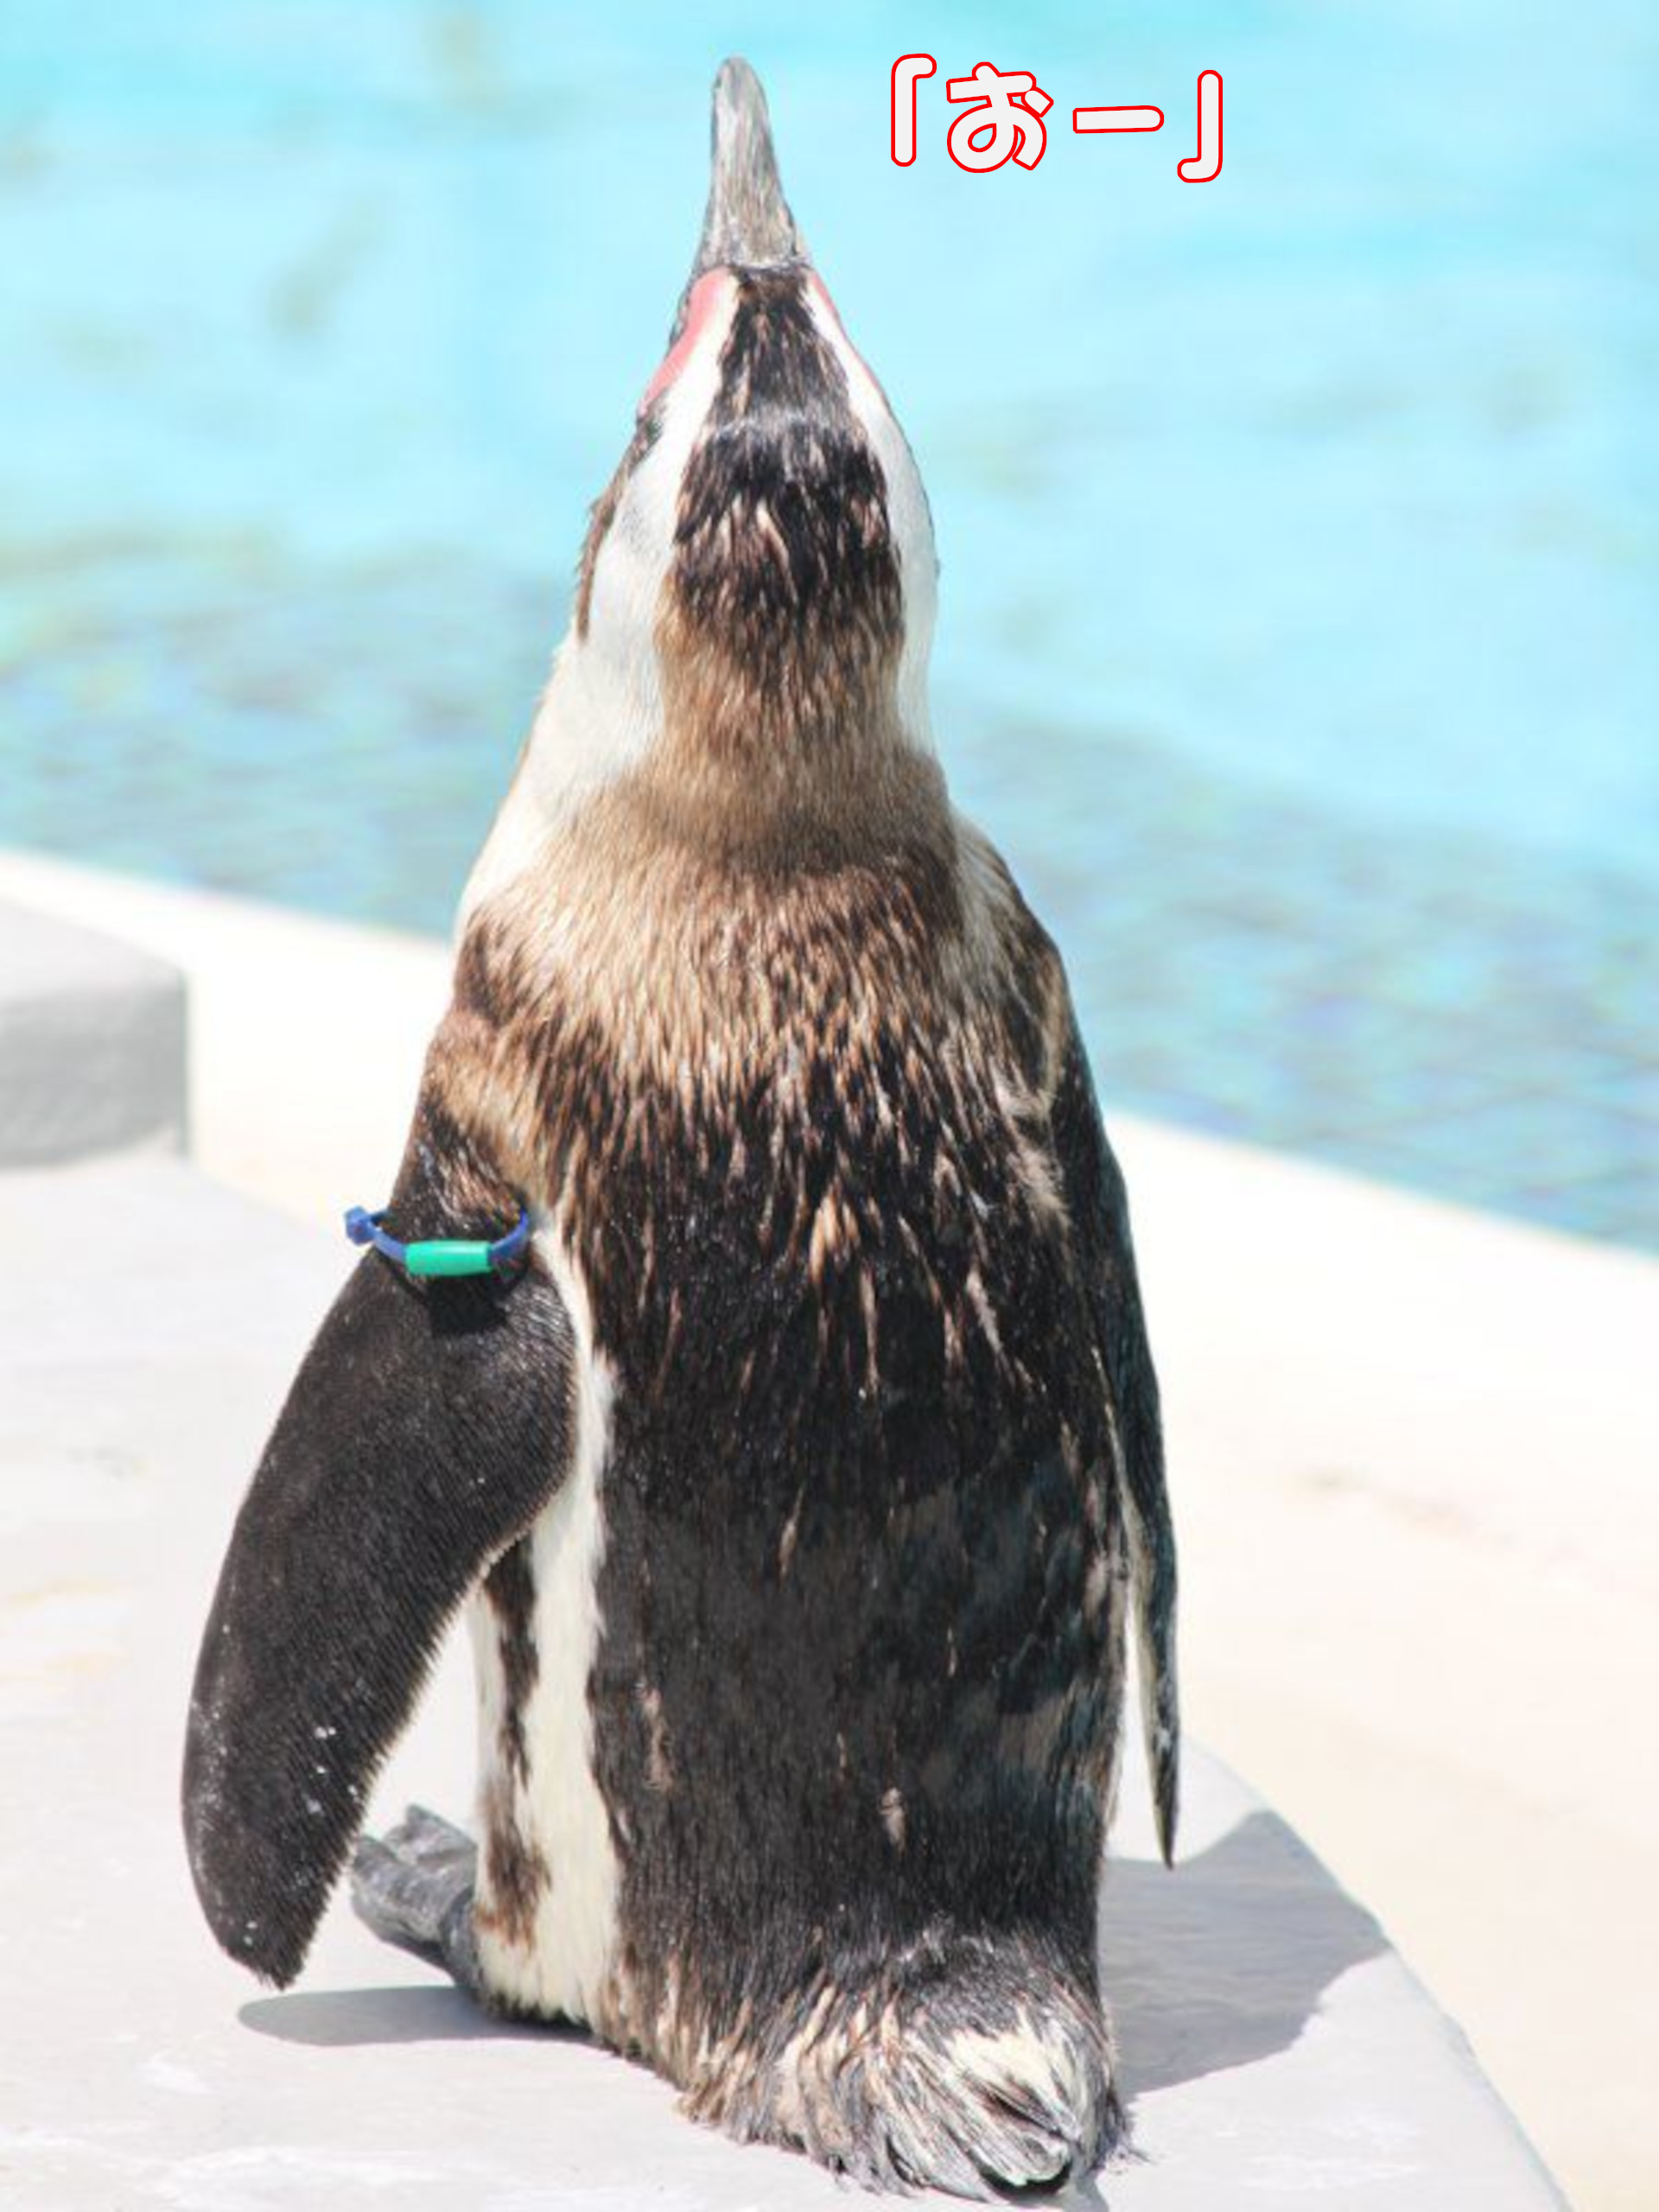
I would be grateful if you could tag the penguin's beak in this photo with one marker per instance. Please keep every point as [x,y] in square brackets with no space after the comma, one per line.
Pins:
[747,224]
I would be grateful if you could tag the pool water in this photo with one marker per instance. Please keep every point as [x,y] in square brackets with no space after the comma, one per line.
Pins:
[1298,637]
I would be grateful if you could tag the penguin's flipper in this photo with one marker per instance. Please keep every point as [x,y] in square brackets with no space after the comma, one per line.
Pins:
[425,1430]
[1098,1206]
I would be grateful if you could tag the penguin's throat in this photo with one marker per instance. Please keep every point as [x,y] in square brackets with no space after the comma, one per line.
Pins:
[804,762]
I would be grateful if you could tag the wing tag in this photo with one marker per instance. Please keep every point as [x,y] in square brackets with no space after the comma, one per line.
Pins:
[440,1256]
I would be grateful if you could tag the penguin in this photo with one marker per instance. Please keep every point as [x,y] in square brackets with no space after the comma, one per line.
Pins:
[803,1479]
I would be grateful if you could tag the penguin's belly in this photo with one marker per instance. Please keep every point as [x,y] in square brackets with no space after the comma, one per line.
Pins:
[548,1878]
[859,1657]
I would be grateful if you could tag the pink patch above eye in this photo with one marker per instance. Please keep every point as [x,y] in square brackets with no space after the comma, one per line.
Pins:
[705,293]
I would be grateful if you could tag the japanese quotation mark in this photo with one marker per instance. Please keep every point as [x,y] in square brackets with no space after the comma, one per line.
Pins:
[1205,165]
[908,70]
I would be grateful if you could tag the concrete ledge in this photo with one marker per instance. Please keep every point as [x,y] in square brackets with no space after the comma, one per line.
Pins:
[91,1044]
[1275,2050]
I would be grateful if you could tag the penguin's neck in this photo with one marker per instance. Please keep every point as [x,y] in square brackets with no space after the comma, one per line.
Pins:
[811,766]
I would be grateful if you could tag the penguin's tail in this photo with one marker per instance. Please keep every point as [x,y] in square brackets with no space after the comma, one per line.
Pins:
[974,2064]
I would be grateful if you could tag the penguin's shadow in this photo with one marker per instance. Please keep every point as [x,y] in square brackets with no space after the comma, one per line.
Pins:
[404,2013]
[1218,1964]
[1223,1961]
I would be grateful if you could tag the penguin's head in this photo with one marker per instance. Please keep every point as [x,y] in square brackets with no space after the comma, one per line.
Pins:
[754,604]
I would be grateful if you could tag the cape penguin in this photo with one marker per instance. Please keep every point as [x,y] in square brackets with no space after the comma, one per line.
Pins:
[801,1479]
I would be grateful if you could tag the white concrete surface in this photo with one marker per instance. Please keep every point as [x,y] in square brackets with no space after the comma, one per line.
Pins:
[306,1036]
[1276,2052]
[92,1043]
[1413,1452]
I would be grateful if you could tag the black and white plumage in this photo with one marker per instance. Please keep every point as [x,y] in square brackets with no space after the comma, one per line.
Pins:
[801,1487]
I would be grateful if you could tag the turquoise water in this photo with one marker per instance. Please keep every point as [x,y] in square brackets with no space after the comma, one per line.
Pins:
[1298,639]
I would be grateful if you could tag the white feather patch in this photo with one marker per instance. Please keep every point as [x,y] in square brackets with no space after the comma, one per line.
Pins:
[559,1809]
[602,709]
[908,517]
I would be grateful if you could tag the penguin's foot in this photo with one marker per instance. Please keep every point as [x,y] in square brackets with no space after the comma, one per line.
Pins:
[414,1888]
[982,2068]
